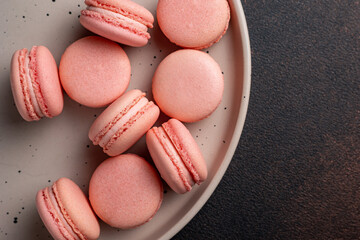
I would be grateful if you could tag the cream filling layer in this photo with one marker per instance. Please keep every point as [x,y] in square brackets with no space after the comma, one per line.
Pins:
[33,98]
[63,220]
[122,121]
[132,22]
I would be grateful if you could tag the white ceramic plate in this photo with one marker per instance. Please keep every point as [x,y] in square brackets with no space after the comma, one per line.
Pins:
[34,155]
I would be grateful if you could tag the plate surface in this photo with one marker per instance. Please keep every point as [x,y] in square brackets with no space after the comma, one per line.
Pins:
[34,155]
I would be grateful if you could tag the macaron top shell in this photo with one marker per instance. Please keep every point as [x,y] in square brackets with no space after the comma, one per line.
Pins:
[77,207]
[125,191]
[94,71]
[188,85]
[193,24]
[35,83]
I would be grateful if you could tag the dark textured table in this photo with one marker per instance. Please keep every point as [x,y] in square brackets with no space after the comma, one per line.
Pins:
[296,171]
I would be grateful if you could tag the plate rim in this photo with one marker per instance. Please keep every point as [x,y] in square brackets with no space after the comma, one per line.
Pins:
[240,28]
[237,8]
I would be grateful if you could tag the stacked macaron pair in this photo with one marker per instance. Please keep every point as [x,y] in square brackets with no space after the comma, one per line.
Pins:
[95,72]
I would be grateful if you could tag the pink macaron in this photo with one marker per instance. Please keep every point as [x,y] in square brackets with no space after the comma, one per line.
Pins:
[125,191]
[94,71]
[121,21]
[176,155]
[124,122]
[35,84]
[188,85]
[66,212]
[193,24]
